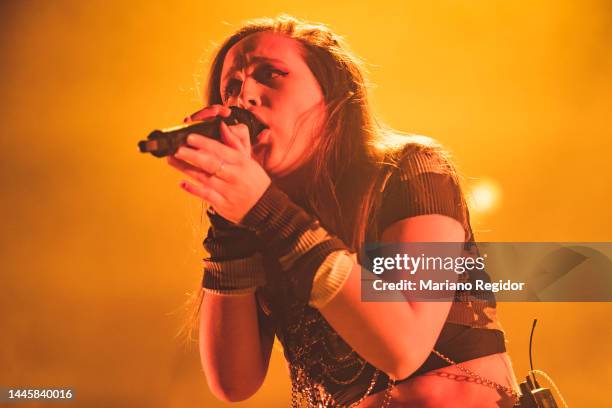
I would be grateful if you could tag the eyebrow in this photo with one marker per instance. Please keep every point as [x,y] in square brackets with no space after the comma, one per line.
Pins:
[244,62]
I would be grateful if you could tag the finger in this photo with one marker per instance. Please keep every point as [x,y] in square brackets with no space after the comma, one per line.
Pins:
[201,160]
[237,137]
[228,138]
[207,180]
[209,163]
[223,152]
[206,194]
[223,171]
[209,112]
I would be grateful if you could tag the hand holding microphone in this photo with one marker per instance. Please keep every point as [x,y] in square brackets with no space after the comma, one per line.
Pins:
[227,176]
[205,122]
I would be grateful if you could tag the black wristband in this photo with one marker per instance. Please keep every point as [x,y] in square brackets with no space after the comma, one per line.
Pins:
[294,236]
[235,265]
[306,267]
[233,277]
[226,240]
[278,221]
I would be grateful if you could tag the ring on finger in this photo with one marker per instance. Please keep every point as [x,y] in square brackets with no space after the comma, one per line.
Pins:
[219,169]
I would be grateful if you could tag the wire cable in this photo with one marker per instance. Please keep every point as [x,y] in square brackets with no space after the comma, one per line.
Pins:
[543,374]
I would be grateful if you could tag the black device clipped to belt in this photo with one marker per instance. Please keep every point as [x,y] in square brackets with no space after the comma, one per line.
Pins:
[532,394]
[166,142]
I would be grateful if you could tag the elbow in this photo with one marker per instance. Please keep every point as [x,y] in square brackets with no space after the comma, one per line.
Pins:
[233,380]
[401,364]
[232,384]
[226,395]
[233,391]
[400,370]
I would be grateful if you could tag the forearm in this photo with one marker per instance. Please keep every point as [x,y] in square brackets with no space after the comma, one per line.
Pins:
[312,258]
[233,352]
[396,337]
[234,345]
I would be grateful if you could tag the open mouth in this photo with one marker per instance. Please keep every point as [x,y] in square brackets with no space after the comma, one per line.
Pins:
[261,151]
[247,117]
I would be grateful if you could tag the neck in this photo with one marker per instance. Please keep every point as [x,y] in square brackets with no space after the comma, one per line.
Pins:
[296,183]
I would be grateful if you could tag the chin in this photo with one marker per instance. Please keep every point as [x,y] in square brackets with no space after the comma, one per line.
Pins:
[274,170]
[270,166]
[275,166]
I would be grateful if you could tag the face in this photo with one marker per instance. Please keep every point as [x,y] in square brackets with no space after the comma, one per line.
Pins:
[266,74]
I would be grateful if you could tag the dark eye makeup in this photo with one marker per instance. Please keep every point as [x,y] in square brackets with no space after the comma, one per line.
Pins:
[265,74]
[232,87]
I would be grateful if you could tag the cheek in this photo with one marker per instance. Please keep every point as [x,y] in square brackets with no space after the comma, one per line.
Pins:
[308,88]
[300,94]
[294,110]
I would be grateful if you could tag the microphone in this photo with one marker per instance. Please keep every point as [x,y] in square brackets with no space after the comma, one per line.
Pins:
[166,142]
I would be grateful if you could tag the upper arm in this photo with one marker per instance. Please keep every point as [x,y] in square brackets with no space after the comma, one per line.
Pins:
[425,228]
[426,204]
[429,315]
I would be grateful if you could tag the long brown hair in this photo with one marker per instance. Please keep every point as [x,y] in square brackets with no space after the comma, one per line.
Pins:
[344,154]
[348,161]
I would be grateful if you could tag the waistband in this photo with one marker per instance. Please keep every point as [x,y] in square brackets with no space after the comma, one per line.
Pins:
[460,343]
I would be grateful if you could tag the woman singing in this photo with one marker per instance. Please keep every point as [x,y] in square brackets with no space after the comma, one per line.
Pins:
[288,215]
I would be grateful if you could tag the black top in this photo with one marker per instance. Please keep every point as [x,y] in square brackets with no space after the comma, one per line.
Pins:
[324,367]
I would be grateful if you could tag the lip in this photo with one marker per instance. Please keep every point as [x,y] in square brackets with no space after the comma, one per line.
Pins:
[260,120]
[261,152]
[263,137]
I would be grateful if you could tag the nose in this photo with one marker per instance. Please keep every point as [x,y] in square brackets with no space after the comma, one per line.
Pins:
[249,94]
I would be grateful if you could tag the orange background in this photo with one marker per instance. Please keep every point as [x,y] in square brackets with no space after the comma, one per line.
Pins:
[100,245]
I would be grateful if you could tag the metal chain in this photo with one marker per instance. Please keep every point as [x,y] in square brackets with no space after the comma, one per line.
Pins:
[303,387]
[368,391]
[387,400]
[489,383]
[297,396]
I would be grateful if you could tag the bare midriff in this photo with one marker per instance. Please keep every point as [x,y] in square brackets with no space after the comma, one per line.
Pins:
[447,387]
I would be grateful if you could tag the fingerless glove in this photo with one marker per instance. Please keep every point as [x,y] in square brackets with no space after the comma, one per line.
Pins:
[235,266]
[303,248]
